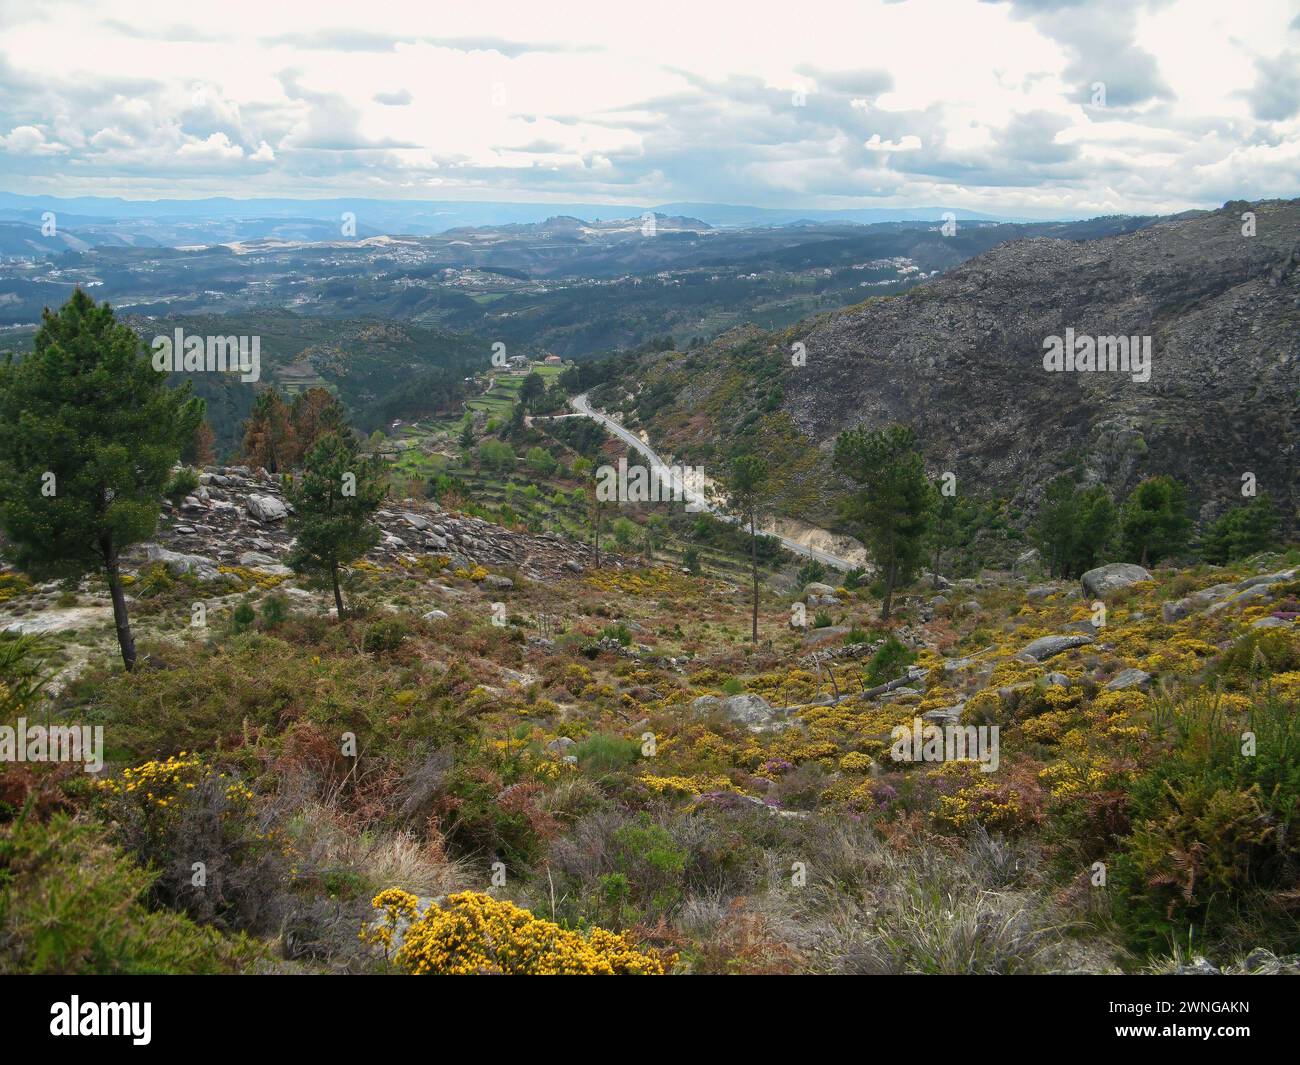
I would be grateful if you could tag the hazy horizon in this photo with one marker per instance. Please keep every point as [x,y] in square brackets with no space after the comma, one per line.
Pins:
[1010,108]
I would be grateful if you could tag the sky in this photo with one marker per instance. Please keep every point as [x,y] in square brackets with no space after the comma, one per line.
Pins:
[1035,106]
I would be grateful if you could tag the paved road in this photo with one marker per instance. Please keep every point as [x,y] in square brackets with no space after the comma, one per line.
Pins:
[583,409]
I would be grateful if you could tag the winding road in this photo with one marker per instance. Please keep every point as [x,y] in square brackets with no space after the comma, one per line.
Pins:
[583,409]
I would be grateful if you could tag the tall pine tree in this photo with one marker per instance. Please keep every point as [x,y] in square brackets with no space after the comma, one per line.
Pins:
[892,507]
[333,499]
[89,432]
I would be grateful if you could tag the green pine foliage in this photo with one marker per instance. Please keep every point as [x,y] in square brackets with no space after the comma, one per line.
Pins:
[89,433]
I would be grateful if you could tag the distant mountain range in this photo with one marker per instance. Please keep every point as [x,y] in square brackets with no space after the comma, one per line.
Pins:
[87,221]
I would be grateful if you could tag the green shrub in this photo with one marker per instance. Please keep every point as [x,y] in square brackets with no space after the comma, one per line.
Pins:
[153,580]
[811,571]
[71,902]
[619,632]
[1213,846]
[601,753]
[888,663]
[386,634]
[855,635]
[184,482]
[1260,653]
[1243,531]
[647,874]
[275,610]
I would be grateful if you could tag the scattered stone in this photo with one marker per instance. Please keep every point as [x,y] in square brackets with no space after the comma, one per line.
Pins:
[1046,647]
[205,569]
[1032,557]
[1129,678]
[1267,579]
[266,508]
[945,715]
[1196,967]
[752,711]
[1105,580]
[1270,622]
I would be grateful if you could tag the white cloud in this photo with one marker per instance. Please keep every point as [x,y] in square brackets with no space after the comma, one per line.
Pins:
[28,140]
[903,144]
[215,148]
[827,103]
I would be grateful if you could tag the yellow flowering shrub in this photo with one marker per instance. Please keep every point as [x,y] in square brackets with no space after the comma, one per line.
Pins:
[1049,727]
[1011,672]
[658,581]
[982,802]
[1234,703]
[1058,698]
[254,577]
[1081,772]
[685,785]
[982,708]
[160,785]
[474,934]
[14,586]
[855,762]
[1287,685]
[1180,655]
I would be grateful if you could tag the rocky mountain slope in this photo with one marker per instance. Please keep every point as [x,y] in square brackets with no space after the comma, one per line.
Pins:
[961,359]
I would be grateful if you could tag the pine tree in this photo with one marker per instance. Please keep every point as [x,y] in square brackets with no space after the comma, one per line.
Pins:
[1154,523]
[314,413]
[268,433]
[1074,529]
[199,450]
[1243,531]
[1055,525]
[333,499]
[532,389]
[891,508]
[747,488]
[1098,521]
[89,432]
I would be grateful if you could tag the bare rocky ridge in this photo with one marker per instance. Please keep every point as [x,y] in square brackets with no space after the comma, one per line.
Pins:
[238,518]
[961,359]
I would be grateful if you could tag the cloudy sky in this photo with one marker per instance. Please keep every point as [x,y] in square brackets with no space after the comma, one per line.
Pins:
[1040,106]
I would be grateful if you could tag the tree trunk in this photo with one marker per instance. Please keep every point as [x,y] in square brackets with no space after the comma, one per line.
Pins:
[890,575]
[124,638]
[338,595]
[753,569]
